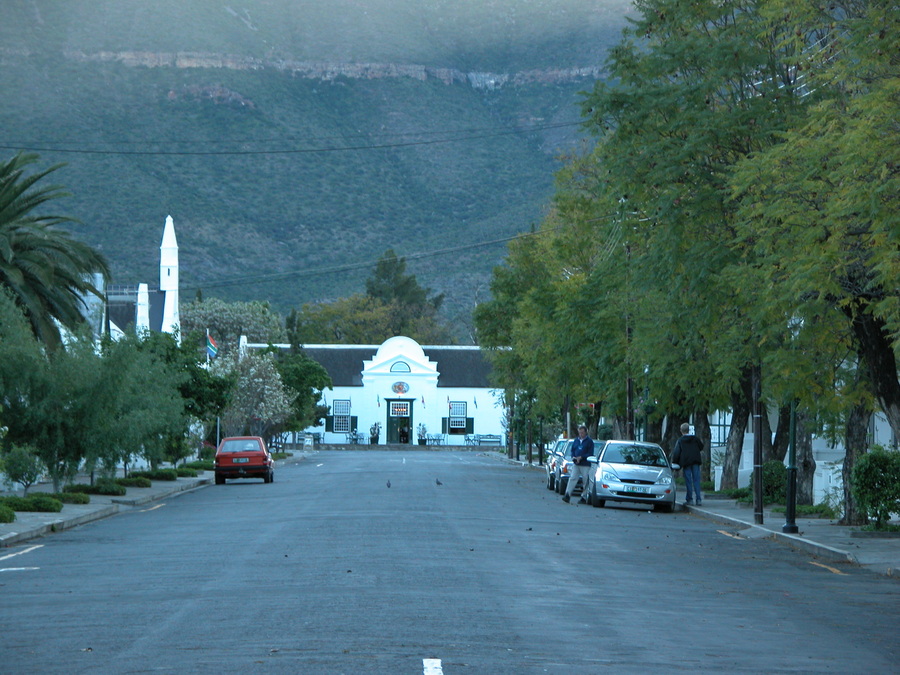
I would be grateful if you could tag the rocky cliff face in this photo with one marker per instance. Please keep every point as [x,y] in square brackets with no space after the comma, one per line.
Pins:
[330,71]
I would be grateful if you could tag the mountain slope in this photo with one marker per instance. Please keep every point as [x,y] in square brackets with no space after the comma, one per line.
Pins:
[410,126]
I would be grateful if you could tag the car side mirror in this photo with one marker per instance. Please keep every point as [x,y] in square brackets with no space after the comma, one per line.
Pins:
[593,460]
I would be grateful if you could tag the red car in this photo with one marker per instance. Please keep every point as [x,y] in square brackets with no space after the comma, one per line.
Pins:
[244,457]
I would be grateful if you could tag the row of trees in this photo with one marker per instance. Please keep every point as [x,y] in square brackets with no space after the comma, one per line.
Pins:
[734,228]
[70,401]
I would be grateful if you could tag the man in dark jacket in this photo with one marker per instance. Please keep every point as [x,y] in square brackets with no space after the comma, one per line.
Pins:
[688,454]
[582,448]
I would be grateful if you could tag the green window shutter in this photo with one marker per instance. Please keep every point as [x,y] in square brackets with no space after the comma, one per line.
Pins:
[353,426]
[470,425]
[329,423]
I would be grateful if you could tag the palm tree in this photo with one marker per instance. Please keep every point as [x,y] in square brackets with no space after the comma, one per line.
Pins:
[48,272]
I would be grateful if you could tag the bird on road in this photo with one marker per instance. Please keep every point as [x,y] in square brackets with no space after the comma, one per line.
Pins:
[389,483]
[437,482]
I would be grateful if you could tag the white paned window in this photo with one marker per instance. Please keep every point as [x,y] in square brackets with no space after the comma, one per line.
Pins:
[341,410]
[457,414]
[399,408]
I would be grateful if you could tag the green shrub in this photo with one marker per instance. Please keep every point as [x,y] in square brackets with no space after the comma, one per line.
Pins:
[876,485]
[185,472]
[738,493]
[821,509]
[14,503]
[72,497]
[282,455]
[104,486]
[158,474]
[774,482]
[135,481]
[7,515]
[201,465]
[40,502]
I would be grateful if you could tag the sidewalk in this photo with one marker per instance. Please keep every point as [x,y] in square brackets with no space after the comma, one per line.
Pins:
[30,525]
[820,537]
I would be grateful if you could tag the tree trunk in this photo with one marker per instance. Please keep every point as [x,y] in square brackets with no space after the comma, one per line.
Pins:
[855,446]
[806,463]
[782,434]
[654,432]
[877,354]
[740,415]
[767,450]
[673,432]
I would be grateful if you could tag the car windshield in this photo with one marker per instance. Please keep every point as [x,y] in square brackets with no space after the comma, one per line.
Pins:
[634,454]
[240,446]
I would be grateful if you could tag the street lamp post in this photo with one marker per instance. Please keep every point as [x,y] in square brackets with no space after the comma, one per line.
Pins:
[790,511]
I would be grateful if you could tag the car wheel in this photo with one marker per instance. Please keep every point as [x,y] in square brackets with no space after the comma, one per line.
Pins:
[271,476]
[668,507]
[220,480]
[549,481]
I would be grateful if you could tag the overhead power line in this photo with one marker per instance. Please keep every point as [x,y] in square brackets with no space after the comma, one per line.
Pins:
[334,269]
[291,151]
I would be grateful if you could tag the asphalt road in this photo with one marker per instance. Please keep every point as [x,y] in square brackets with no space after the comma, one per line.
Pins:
[329,570]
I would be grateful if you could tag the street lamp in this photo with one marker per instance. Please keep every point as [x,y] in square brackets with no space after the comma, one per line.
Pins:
[790,510]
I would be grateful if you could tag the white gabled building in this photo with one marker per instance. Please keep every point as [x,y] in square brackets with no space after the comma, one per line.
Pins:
[401,385]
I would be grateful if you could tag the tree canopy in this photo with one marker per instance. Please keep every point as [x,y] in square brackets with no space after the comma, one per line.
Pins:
[48,271]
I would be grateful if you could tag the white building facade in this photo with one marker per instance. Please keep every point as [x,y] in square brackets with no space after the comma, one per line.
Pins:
[402,388]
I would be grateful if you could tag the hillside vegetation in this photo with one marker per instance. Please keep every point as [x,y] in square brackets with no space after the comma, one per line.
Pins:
[294,144]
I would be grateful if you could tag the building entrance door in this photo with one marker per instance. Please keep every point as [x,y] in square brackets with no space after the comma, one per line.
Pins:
[399,421]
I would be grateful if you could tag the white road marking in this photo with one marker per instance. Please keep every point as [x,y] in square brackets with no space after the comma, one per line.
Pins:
[23,551]
[153,508]
[432,667]
[318,465]
[18,569]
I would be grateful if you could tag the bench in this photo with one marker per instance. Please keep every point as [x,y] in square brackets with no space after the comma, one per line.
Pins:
[488,439]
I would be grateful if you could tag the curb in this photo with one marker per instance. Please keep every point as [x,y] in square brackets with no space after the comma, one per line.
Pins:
[820,550]
[146,499]
[58,525]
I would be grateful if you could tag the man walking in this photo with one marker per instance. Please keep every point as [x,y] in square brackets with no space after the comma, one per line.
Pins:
[688,454]
[582,448]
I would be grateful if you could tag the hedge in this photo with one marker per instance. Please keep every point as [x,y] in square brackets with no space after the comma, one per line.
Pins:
[7,515]
[158,474]
[43,503]
[104,486]
[876,485]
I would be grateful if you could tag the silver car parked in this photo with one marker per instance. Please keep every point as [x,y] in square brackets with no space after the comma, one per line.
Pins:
[631,471]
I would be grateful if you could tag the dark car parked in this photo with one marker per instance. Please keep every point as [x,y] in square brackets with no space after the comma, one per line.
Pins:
[244,457]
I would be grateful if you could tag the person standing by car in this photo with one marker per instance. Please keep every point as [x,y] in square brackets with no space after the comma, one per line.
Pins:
[688,454]
[582,448]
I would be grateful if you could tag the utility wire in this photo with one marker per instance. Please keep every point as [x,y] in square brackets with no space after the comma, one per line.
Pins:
[292,151]
[334,269]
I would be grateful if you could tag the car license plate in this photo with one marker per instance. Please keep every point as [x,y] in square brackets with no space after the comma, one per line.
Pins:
[639,488]
[241,460]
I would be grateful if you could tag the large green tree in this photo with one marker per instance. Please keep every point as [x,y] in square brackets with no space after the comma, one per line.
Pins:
[394,304]
[49,272]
